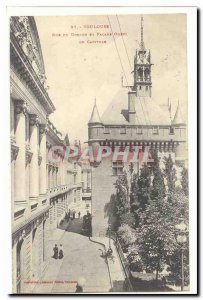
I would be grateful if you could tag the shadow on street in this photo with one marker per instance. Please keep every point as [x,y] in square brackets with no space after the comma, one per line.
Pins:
[72,226]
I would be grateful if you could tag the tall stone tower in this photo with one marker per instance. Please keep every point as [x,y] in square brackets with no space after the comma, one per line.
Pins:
[143,123]
[142,69]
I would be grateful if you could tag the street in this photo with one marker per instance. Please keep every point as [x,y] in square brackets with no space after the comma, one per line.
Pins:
[82,259]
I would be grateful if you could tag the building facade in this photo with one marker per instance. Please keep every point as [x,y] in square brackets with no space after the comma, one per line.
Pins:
[132,119]
[42,189]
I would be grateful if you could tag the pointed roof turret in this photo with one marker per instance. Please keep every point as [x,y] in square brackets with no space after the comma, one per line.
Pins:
[178,117]
[66,140]
[142,45]
[95,118]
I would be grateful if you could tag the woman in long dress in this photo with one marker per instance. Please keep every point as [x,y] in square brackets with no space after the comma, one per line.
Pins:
[61,251]
[55,251]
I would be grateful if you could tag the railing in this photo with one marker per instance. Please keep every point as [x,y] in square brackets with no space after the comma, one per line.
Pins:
[123,260]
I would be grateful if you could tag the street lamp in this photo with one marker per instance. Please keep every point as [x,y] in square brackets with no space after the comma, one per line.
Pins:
[181,238]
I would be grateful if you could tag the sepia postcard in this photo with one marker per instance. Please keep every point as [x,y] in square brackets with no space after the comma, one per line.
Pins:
[100,150]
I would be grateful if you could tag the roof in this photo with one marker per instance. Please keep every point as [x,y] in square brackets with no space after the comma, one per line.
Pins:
[95,117]
[178,117]
[148,112]
[112,115]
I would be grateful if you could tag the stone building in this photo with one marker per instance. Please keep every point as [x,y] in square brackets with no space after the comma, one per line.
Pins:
[42,189]
[133,118]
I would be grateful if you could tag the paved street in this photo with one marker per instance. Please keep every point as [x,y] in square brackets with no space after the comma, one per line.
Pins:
[82,258]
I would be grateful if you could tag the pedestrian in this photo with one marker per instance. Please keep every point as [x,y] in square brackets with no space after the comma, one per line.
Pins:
[79,289]
[61,251]
[79,215]
[73,215]
[55,251]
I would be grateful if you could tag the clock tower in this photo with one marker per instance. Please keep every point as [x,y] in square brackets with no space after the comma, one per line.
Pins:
[142,69]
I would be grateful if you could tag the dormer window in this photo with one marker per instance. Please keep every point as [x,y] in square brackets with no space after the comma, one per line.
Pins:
[155,130]
[123,130]
[106,130]
[171,130]
[139,130]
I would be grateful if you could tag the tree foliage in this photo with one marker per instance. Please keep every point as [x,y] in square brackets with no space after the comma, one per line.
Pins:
[143,187]
[121,202]
[170,173]
[184,181]
[158,190]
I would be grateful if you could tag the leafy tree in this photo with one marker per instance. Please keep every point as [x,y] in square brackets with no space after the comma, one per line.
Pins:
[170,173]
[155,236]
[143,187]
[122,201]
[126,235]
[184,181]
[111,210]
[158,186]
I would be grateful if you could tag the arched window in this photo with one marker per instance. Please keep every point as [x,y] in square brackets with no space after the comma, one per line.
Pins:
[146,74]
[140,74]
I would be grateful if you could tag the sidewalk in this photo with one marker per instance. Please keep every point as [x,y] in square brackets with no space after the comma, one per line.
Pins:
[82,259]
[115,268]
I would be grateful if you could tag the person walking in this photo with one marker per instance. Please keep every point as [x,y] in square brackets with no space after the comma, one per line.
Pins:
[79,215]
[61,251]
[55,251]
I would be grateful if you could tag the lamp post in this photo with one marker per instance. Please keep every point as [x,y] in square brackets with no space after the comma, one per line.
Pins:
[181,238]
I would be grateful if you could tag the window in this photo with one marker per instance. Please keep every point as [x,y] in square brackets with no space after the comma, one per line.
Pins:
[140,87]
[74,178]
[117,167]
[106,130]
[146,88]
[122,130]
[139,130]
[171,130]
[155,130]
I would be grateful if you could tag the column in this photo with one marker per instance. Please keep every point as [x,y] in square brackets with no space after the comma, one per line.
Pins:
[34,168]
[42,167]
[19,186]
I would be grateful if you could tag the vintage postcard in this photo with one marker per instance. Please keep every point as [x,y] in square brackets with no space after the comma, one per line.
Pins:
[100,164]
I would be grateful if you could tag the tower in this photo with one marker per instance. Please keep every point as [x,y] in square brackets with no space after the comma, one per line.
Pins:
[142,69]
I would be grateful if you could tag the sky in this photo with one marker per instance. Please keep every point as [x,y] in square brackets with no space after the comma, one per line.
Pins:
[78,72]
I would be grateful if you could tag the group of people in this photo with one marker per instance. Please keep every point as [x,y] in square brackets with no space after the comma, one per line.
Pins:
[58,252]
[71,215]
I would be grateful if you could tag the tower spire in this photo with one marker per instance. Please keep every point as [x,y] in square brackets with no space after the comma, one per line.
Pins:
[95,117]
[141,30]
[142,46]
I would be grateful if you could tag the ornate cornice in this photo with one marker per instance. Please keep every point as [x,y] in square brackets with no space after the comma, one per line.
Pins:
[27,73]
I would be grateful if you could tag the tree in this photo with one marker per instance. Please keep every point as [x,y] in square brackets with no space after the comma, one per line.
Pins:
[143,187]
[170,173]
[155,236]
[126,235]
[184,181]
[122,202]
[158,186]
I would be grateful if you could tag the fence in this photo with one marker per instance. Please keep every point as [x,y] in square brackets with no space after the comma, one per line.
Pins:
[125,265]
